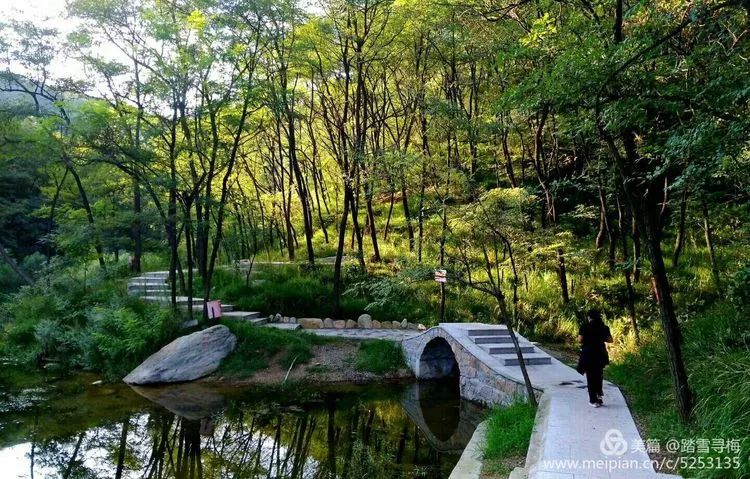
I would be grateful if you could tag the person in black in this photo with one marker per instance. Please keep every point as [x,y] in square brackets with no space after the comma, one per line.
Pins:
[592,336]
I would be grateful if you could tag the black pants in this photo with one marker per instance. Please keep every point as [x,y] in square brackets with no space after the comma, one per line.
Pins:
[594,379]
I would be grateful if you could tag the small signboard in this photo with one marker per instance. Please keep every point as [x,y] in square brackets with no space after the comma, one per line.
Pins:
[441,276]
[214,309]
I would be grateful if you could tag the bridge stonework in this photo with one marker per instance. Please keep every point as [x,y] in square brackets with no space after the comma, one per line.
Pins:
[435,353]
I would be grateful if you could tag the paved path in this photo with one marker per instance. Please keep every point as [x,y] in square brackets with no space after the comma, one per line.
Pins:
[571,440]
[389,334]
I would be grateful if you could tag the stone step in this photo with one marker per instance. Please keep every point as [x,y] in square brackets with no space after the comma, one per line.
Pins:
[143,280]
[166,299]
[492,339]
[225,308]
[156,274]
[529,359]
[505,349]
[244,315]
[488,332]
[148,288]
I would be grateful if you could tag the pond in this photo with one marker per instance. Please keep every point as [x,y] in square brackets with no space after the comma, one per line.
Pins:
[67,427]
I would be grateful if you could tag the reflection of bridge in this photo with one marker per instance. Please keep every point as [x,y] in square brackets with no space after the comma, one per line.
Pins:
[481,355]
[446,420]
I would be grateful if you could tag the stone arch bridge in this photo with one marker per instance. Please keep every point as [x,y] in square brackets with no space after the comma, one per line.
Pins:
[480,356]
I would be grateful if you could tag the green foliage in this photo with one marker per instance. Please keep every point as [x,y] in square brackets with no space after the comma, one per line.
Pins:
[380,356]
[257,347]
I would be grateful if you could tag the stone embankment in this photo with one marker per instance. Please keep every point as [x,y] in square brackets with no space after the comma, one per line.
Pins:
[364,321]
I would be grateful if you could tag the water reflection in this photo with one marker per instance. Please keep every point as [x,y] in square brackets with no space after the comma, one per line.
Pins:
[195,431]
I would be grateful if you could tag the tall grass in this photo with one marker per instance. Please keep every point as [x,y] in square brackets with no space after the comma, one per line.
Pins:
[509,430]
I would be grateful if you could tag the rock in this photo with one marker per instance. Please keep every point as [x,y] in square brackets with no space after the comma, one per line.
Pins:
[364,321]
[310,323]
[277,318]
[421,327]
[339,324]
[376,324]
[404,324]
[186,358]
[271,318]
[396,325]
[97,383]
[351,324]
[293,320]
[285,319]
[386,325]
[328,323]
[412,326]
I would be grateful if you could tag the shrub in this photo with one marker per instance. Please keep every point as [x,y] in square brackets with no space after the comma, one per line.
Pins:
[117,340]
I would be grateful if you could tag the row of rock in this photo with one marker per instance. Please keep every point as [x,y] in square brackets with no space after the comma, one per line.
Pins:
[365,321]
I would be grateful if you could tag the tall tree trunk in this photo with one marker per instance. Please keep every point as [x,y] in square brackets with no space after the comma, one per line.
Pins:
[388,219]
[679,242]
[709,235]
[371,220]
[644,206]
[137,229]
[622,224]
[407,213]
[340,253]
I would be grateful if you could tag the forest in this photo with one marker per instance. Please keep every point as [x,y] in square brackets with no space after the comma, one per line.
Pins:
[551,156]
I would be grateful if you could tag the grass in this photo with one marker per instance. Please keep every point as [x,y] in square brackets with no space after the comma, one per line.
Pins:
[379,356]
[256,348]
[508,435]
[509,430]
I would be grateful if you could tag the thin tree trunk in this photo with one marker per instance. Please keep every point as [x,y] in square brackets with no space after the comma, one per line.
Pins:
[14,266]
[679,242]
[709,235]
[89,213]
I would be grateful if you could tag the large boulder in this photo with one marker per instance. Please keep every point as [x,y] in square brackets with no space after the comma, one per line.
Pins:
[364,321]
[328,323]
[339,324]
[310,323]
[186,358]
[351,324]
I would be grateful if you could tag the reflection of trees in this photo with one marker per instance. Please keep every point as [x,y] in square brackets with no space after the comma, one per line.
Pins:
[336,437]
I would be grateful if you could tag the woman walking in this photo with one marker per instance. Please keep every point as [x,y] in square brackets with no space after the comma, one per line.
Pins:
[593,335]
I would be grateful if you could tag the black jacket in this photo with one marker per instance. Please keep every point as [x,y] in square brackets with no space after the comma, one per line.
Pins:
[593,351]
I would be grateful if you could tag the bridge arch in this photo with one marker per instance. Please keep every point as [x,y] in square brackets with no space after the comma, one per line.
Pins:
[438,360]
